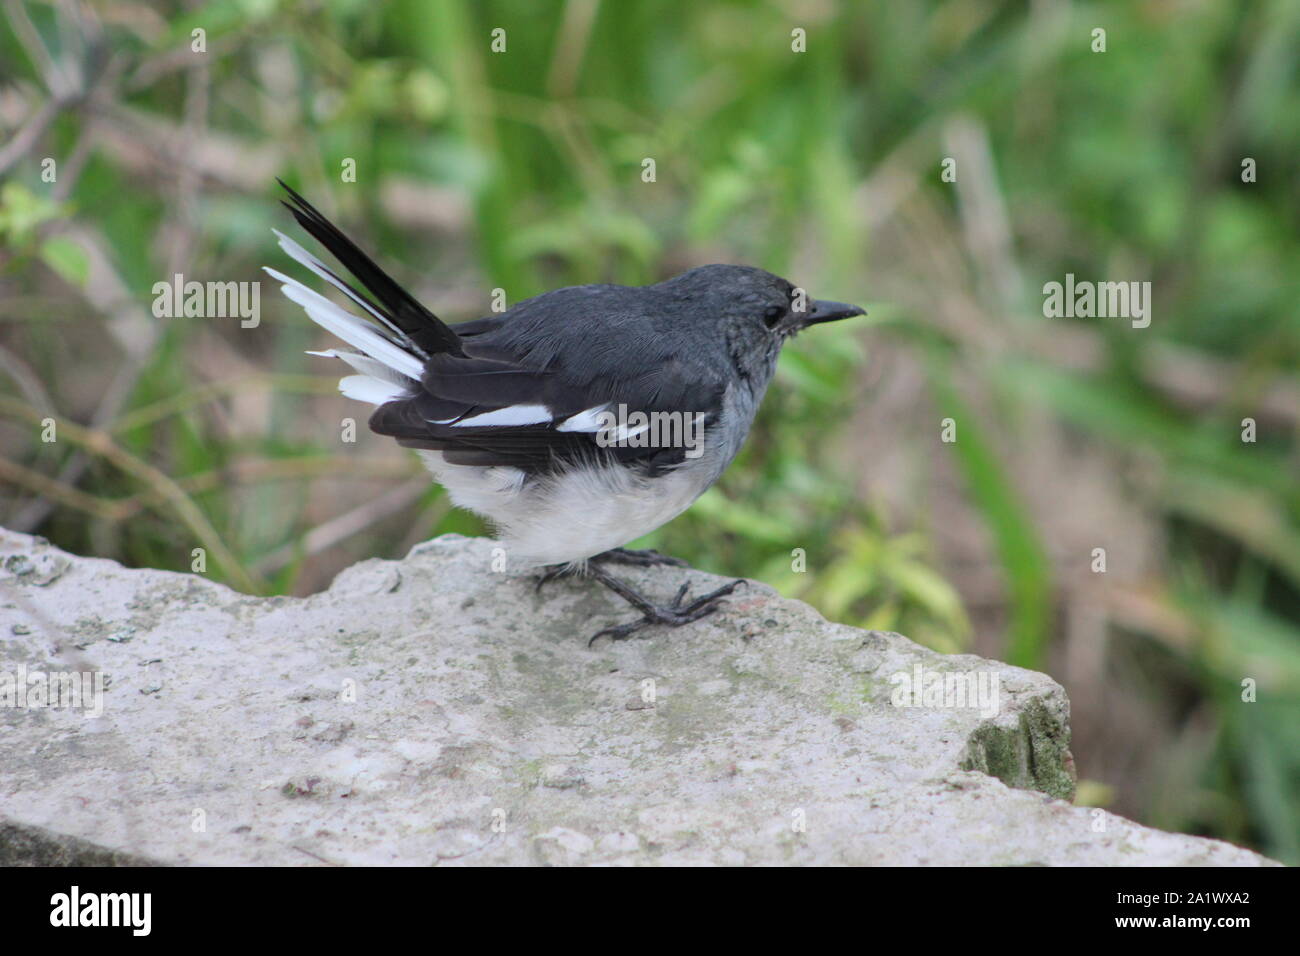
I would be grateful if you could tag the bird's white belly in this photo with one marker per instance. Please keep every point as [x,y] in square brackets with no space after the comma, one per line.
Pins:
[571,516]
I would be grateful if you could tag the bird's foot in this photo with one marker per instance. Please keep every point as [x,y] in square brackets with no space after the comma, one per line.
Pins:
[673,615]
[644,558]
[551,573]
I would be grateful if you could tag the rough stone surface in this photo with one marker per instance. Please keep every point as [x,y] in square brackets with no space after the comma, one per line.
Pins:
[431,711]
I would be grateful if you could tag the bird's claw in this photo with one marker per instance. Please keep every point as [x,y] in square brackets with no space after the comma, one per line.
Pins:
[673,615]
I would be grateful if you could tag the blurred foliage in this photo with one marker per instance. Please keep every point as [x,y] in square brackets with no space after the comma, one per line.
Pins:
[523,170]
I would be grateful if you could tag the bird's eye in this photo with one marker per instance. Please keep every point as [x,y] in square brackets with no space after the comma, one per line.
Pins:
[772,315]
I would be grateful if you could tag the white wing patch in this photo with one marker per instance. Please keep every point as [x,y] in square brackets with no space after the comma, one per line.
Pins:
[584,421]
[511,415]
[590,420]
[623,433]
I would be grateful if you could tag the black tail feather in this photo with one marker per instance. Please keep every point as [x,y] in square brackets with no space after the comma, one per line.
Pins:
[424,328]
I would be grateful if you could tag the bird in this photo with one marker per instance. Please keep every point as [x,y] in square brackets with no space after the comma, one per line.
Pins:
[575,421]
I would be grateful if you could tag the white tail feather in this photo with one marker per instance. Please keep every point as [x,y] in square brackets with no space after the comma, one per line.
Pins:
[351,329]
[364,388]
[318,267]
[366,366]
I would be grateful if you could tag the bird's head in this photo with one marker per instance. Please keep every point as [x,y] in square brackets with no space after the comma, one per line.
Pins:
[755,312]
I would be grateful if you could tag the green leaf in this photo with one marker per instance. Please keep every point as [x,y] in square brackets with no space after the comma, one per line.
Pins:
[22,211]
[66,257]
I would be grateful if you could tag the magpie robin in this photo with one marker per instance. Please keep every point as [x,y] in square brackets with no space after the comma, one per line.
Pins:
[578,420]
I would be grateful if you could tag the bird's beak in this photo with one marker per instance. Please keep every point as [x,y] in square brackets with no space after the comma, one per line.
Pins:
[823,310]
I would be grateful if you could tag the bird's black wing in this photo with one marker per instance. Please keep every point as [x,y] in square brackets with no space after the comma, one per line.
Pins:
[526,389]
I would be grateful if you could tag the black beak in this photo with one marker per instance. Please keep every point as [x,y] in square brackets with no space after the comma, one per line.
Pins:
[824,310]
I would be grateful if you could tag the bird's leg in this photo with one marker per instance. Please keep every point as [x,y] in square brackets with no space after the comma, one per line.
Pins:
[674,615]
[645,558]
[552,572]
[642,559]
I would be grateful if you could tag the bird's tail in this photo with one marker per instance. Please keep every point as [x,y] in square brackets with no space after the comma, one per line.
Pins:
[404,333]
